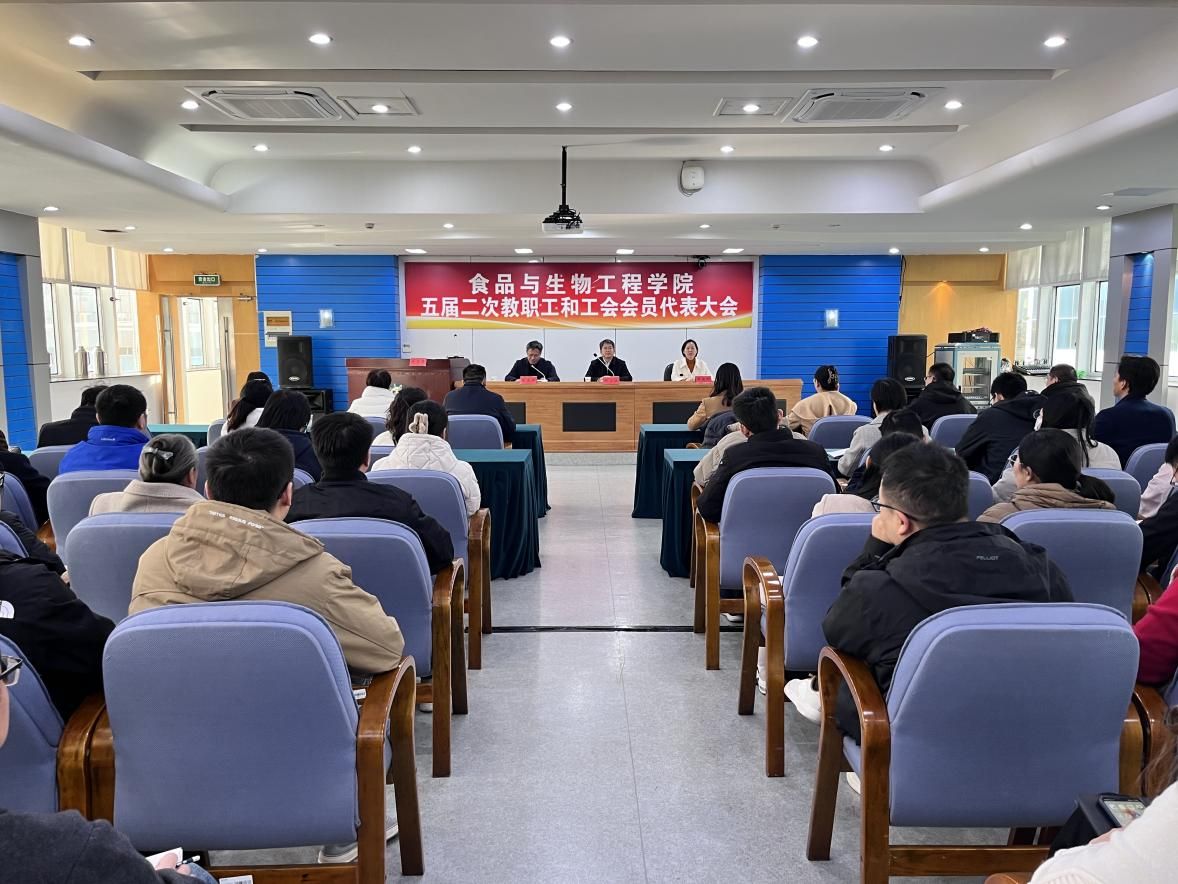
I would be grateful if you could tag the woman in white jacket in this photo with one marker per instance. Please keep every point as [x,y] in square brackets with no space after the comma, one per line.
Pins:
[376,398]
[689,366]
[424,447]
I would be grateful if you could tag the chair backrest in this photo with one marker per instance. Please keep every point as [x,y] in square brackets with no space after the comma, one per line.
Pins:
[46,460]
[387,560]
[376,452]
[15,499]
[981,494]
[216,429]
[378,424]
[71,494]
[1125,488]
[301,478]
[836,430]
[28,762]
[717,427]
[1145,461]
[438,494]
[949,429]
[667,371]
[103,556]
[763,509]
[474,431]
[1002,714]
[202,472]
[812,580]
[266,738]
[9,542]
[1099,551]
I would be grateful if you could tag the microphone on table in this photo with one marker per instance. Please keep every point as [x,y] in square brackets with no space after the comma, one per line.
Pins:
[604,364]
[543,376]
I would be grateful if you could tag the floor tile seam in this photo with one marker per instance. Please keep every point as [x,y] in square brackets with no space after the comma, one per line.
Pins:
[633,768]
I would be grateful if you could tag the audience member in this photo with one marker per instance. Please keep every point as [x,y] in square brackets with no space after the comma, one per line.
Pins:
[288,412]
[341,443]
[473,397]
[533,364]
[166,483]
[768,445]
[726,386]
[1062,380]
[119,437]
[1157,633]
[424,447]
[1162,485]
[1159,534]
[377,396]
[939,397]
[860,500]
[887,395]
[826,401]
[259,376]
[16,464]
[1073,414]
[901,420]
[236,546]
[1134,420]
[1048,474]
[924,556]
[248,408]
[717,427]
[73,429]
[398,417]
[988,442]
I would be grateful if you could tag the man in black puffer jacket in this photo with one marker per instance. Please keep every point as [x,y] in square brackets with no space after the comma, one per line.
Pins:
[987,443]
[939,397]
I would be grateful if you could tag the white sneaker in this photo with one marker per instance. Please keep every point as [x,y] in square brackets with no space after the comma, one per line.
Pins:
[805,698]
[427,708]
[346,853]
[762,685]
[853,781]
[734,618]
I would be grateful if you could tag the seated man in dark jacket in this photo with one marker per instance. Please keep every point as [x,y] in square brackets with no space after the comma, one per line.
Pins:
[924,556]
[533,364]
[73,429]
[939,396]
[1134,421]
[341,441]
[767,446]
[473,397]
[36,486]
[997,431]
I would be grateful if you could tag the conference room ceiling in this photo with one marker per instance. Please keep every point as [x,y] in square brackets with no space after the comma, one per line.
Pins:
[1041,134]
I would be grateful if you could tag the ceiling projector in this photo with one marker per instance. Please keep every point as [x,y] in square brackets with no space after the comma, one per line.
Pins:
[565,219]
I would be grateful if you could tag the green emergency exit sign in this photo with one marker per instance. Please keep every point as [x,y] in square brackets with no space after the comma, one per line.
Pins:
[206,279]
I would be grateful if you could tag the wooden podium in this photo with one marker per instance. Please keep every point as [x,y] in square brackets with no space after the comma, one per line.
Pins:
[436,376]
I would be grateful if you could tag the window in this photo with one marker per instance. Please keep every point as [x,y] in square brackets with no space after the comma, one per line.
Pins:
[1032,344]
[1066,340]
[1174,340]
[127,331]
[87,330]
[50,327]
[1098,340]
[194,339]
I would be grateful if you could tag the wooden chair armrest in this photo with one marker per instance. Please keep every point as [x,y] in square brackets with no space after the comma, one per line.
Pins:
[693,445]
[1145,592]
[73,756]
[1151,708]
[444,585]
[479,523]
[835,666]
[1008,878]
[761,580]
[696,490]
[377,708]
[711,530]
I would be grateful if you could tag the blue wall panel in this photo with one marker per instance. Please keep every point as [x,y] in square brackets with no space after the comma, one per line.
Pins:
[1140,297]
[360,289]
[18,388]
[796,292]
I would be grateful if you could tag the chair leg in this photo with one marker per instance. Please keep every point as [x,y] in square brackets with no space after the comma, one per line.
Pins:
[826,789]
[775,692]
[486,578]
[699,624]
[474,594]
[442,698]
[712,613]
[751,645]
[403,777]
[458,687]
[875,822]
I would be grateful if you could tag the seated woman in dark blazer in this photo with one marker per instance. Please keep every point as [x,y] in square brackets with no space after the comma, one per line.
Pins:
[607,364]
[288,412]
[726,387]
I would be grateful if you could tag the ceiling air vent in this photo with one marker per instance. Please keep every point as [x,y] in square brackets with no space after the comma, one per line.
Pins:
[267,104]
[857,105]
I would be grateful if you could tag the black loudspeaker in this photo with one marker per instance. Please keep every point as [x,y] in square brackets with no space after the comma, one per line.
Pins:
[321,401]
[294,361]
[906,355]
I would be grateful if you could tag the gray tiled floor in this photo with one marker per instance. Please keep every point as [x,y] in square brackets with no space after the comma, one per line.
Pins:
[614,756]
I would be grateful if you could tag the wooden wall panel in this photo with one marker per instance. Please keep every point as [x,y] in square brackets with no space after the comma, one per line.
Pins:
[150,345]
[949,293]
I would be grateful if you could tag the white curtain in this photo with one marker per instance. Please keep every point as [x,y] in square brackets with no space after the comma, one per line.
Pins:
[1063,261]
[1022,268]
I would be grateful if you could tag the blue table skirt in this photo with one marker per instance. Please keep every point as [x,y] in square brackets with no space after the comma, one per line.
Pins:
[677,479]
[653,440]
[528,437]
[507,484]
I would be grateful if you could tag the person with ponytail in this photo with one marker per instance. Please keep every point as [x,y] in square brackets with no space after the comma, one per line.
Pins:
[825,402]
[246,410]
[398,416]
[166,483]
[1048,473]
[424,447]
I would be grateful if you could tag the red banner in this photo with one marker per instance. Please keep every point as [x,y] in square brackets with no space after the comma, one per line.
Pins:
[630,295]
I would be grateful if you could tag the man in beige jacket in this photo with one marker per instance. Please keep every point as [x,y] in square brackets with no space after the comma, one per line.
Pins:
[235,546]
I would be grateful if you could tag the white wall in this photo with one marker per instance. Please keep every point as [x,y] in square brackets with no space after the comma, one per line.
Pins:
[64,395]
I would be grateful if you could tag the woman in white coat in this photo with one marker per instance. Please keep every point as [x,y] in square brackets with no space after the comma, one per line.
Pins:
[424,447]
[689,366]
[377,397]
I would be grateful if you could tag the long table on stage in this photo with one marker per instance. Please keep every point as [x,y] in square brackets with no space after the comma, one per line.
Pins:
[579,416]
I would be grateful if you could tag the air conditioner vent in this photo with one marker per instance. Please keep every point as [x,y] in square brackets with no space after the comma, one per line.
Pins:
[269,104]
[857,105]
[1140,191]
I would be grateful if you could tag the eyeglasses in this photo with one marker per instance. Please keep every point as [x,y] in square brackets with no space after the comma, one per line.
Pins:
[10,670]
[877,506]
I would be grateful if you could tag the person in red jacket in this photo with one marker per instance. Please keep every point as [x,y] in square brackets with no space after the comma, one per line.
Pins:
[1157,633]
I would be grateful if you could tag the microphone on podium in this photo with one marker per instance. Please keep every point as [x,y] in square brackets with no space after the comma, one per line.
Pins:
[604,364]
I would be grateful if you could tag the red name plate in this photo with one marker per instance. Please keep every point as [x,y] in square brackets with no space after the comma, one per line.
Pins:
[703,378]
[417,361]
[611,379]
[528,379]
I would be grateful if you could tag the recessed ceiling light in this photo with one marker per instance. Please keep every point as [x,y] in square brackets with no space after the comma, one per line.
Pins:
[1026,225]
[727,148]
[751,108]
[893,251]
[320,39]
[533,260]
[262,251]
[169,249]
[705,226]
[625,251]
[380,108]
[415,251]
[733,251]
[564,107]
[261,148]
[190,104]
[984,249]
[129,227]
[952,104]
[523,251]
[1103,208]
[560,41]
[414,148]
[448,226]
[1055,41]
[51,209]
[807,41]
[886,148]
[81,41]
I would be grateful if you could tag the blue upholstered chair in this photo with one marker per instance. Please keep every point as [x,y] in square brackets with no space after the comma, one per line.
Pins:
[202,472]
[46,460]
[763,509]
[387,560]
[949,429]
[440,496]
[474,431]
[1125,488]
[279,758]
[15,499]
[787,611]
[103,556]
[378,424]
[9,542]
[981,494]
[1099,551]
[1145,461]
[1005,744]
[301,478]
[836,431]
[216,430]
[376,452]
[42,766]
[70,495]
